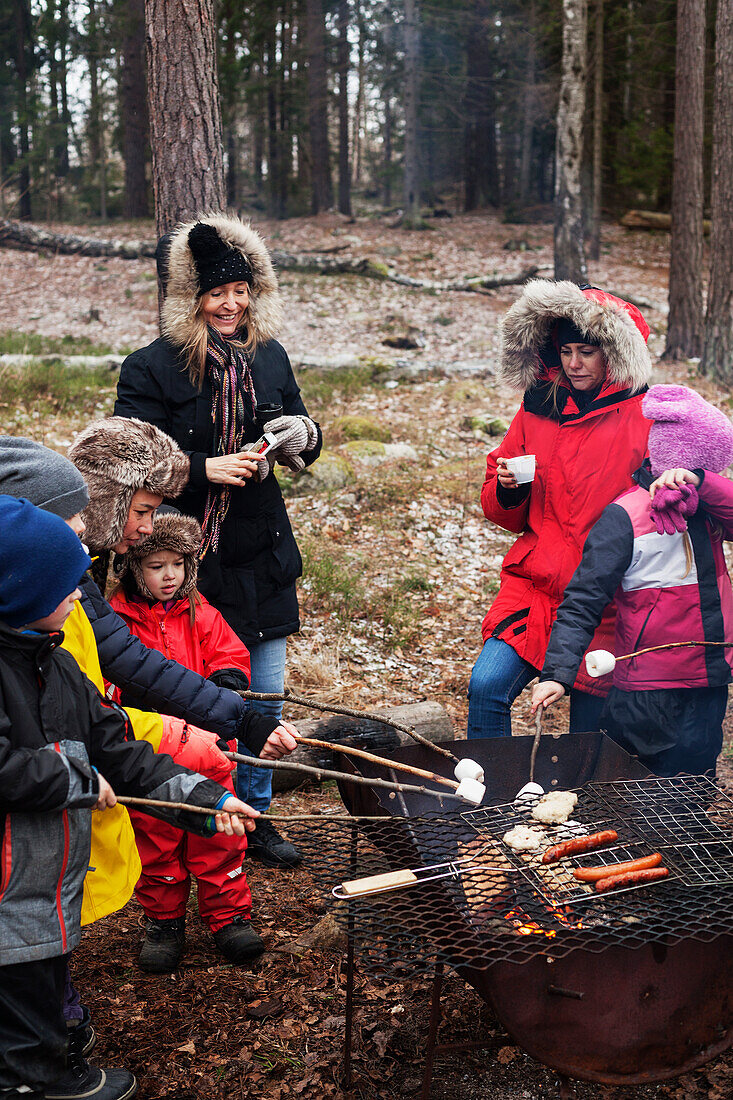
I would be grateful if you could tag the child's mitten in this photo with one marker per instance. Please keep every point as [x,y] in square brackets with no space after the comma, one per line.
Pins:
[672,507]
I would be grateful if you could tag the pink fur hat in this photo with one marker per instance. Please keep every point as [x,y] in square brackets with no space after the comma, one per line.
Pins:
[687,432]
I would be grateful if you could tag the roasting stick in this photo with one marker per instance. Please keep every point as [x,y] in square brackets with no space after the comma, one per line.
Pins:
[129,800]
[392,764]
[324,773]
[287,696]
[536,743]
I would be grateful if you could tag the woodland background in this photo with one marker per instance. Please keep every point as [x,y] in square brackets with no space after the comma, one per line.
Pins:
[427,155]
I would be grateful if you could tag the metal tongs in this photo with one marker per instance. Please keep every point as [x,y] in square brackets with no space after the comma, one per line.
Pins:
[400,880]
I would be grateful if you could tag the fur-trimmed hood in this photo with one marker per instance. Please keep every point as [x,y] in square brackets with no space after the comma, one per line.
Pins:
[116,457]
[528,350]
[264,315]
[172,531]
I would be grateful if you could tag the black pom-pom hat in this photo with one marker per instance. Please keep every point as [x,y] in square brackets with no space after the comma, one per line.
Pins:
[216,262]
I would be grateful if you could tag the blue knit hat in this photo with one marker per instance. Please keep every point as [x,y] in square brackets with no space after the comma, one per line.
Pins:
[41,562]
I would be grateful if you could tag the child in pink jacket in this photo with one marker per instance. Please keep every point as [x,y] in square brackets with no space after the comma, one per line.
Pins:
[657,551]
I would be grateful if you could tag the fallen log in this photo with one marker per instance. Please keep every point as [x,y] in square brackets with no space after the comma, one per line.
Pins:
[36,239]
[428,719]
[653,219]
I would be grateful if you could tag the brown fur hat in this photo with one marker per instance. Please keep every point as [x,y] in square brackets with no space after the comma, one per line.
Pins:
[172,531]
[180,319]
[616,326]
[118,456]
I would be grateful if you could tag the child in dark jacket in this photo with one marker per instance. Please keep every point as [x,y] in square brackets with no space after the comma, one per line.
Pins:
[159,601]
[61,748]
[657,551]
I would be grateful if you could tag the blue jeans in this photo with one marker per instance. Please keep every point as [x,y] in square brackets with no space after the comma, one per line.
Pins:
[498,677]
[267,659]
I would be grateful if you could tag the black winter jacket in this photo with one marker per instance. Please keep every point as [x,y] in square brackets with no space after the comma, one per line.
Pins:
[153,682]
[251,579]
[55,728]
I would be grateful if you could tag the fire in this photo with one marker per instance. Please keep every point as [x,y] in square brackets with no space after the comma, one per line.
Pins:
[526,927]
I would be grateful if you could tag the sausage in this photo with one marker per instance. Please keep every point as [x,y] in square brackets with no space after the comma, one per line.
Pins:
[593,874]
[631,878]
[579,844]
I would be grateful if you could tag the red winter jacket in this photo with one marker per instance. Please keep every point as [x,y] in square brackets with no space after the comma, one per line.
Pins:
[210,644]
[585,458]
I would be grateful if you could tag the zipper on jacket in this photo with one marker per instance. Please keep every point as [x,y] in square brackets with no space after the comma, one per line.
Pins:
[62,872]
[6,857]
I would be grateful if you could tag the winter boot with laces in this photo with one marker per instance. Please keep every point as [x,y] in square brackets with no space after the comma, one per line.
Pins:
[84,1082]
[82,1036]
[163,945]
[238,941]
[266,845]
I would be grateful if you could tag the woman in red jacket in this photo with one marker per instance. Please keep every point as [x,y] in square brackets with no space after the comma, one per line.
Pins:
[158,600]
[580,356]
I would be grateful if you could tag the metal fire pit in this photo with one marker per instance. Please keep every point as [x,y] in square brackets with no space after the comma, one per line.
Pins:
[660,999]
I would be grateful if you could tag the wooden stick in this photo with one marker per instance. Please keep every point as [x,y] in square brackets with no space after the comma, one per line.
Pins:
[535,743]
[128,800]
[363,755]
[323,773]
[288,696]
[669,645]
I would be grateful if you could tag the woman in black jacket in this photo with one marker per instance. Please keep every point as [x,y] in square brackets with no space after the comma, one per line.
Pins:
[201,383]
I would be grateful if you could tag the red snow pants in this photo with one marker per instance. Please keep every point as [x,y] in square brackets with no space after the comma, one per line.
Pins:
[171,856]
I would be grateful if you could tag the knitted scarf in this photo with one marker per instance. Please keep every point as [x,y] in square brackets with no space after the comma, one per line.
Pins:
[231,387]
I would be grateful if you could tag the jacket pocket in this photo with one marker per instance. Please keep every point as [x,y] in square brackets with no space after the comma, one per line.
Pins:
[286,565]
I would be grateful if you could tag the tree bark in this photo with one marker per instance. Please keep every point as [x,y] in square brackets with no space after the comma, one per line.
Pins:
[343,75]
[387,151]
[97,142]
[685,325]
[569,244]
[411,186]
[481,173]
[528,107]
[594,237]
[185,122]
[718,352]
[23,48]
[134,104]
[321,187]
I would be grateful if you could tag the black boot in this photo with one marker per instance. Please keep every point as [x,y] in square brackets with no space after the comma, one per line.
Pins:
[238,941]
[163,946]
[84,1082]
[266,845]
[82,1036]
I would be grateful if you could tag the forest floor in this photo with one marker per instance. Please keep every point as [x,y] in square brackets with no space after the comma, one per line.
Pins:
[400,567]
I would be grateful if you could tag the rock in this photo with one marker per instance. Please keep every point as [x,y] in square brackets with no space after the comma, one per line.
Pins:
[410,339]
[497,426]
[326,935]
[360,427]
[365,449]
[398,451]
[330,471]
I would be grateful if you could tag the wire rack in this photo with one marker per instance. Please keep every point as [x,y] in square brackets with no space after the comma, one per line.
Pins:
[466,899]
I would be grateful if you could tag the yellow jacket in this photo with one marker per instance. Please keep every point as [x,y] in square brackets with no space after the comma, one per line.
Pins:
[114,865]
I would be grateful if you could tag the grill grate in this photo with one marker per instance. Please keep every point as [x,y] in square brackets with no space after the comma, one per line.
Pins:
[472,901]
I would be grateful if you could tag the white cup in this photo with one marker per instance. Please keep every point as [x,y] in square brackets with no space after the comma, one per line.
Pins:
[523,467]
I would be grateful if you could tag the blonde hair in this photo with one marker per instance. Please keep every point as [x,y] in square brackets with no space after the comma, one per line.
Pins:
[196,347]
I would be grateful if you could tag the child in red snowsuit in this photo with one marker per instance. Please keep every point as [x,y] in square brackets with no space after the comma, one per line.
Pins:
[158,600]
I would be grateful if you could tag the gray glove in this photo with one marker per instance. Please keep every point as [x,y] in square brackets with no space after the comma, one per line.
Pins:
[295,434]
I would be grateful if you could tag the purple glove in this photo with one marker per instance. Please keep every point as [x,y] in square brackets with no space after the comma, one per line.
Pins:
[671,508]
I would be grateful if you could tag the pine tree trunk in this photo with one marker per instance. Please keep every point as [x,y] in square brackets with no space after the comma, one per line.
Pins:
[481,175]
[343,73]
[594,238]
[23,45]
[321,188]
[718,354]
[185,123]
[685,326]
[134,105]
[97,145]
[569,245]
[387,147]
[529,98]
[359,105]
[411,185]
